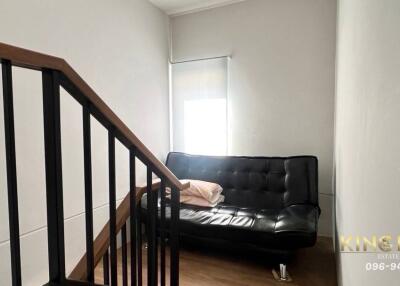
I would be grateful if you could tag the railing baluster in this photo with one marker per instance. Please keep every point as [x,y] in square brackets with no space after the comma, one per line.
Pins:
[174,236]
[11,173]
[162,232]
[133,214]
[88,194]
[124,257]
[151,232]
[53,164]
[155,225]
[112,199]
[106,268]
[139,250]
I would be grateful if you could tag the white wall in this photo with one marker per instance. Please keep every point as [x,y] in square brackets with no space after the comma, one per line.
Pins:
[121,49]
[281,77]
[367,132]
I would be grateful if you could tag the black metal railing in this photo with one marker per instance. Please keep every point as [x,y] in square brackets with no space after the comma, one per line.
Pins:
[52,81]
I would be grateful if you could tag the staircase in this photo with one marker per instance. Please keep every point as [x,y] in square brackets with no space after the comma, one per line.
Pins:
[57,73]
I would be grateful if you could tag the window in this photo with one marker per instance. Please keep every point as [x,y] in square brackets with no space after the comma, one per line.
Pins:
[199,106]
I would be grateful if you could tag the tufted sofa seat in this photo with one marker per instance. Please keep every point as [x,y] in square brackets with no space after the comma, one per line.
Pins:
[270,202]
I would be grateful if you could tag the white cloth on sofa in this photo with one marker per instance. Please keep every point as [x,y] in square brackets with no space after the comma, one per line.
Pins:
[200,193]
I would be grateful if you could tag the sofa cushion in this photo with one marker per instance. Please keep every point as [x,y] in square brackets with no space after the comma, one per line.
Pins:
[290,228]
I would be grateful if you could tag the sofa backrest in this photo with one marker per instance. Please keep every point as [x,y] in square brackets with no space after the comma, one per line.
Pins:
[254,182]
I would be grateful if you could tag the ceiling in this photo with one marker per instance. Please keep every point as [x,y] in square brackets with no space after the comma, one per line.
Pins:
[179,7]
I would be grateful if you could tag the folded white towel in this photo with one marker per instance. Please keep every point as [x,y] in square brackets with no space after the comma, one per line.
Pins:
[197,201]
[200,193]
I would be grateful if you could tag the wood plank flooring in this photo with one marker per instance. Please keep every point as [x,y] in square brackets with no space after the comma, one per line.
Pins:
[310,267]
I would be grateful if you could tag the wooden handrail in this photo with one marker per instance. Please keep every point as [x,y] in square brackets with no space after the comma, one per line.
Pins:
[37,61]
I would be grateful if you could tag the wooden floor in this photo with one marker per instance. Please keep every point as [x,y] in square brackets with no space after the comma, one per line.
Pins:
[310,267]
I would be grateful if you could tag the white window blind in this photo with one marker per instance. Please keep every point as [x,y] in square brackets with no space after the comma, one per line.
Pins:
[199,106]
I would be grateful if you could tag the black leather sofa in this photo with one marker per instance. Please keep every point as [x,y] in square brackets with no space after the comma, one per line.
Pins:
[271,203]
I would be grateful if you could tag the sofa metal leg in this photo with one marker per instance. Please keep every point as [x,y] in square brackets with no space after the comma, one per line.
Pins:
[282,275]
